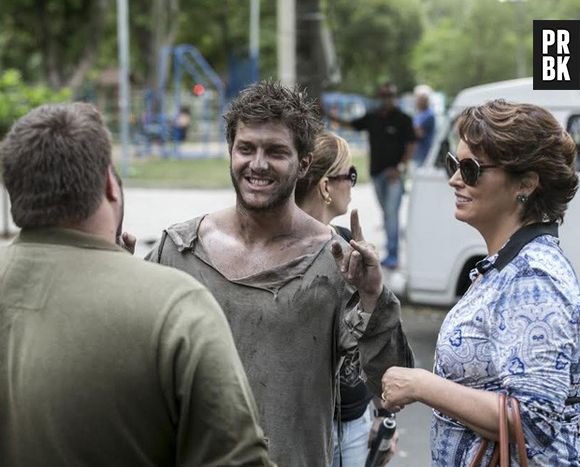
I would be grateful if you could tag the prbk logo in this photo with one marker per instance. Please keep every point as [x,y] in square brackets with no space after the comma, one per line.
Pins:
[557,54]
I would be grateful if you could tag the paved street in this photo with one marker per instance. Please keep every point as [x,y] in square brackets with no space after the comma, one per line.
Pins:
[422,326]
[148,211]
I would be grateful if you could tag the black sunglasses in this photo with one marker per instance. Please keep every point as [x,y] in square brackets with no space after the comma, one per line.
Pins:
[469,168]
[352,175]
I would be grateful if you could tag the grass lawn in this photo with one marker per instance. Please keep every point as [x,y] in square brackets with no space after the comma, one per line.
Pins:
[196,173]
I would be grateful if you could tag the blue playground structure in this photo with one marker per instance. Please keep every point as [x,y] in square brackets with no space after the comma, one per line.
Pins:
[197,88]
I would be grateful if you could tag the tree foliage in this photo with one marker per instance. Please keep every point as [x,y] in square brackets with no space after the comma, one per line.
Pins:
[56,41]
[374,40]
[470,42]
[449,44]
[17,98]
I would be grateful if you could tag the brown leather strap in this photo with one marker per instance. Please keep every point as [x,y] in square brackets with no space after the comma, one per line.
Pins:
[518,431]
[476,462]
[501,451]
[504,446]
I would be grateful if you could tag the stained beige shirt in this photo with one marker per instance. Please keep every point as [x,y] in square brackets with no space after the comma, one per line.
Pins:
[106,360]
[290,325]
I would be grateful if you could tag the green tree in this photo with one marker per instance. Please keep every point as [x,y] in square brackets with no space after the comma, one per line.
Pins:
[56,41]
[374,40]
[471,42]
[17,98]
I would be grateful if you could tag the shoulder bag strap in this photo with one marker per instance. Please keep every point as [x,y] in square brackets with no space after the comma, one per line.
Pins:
[518,431]
[504,446]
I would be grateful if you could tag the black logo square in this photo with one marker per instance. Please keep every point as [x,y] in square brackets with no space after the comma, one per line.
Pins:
[557,54]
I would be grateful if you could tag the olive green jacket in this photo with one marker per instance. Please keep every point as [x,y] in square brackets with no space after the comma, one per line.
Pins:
[106,360]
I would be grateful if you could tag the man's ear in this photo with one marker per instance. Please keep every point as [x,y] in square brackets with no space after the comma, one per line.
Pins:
[112,186]
[305,165]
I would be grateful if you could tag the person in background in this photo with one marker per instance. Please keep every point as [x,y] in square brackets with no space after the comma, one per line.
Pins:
[424,124]
[517,329]
[392,144]
[181,124]
[324,193]
[296,295]
[105,359]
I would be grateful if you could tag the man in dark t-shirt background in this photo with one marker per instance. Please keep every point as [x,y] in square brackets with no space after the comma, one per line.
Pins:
[392,144]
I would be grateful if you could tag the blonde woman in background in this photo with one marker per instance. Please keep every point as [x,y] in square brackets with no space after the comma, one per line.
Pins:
[325,193]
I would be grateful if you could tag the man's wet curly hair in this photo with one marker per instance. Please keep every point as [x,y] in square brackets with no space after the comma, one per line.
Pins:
[270,101]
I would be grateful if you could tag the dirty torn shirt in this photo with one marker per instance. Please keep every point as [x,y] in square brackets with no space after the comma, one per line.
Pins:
[290,325]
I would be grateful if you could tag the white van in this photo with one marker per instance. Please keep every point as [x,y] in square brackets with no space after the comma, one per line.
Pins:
[442,250]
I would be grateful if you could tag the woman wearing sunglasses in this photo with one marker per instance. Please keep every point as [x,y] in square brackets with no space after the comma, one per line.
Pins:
[324,193]
[516,330]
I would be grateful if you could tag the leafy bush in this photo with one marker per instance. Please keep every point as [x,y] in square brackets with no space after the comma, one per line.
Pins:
[18,98]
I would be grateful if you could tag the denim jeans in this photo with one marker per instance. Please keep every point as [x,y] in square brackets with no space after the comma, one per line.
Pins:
[390,193]
[354,443]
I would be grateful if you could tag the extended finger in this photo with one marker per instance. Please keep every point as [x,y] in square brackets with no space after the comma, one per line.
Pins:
[355,227]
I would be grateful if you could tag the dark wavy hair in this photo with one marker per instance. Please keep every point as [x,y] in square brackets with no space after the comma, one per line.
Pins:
[522,138]
[269,101]
[54,164]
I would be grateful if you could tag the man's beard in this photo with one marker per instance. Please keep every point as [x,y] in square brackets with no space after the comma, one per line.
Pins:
[277,199]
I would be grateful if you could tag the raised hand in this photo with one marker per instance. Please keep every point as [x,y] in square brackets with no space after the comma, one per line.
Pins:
[360,264]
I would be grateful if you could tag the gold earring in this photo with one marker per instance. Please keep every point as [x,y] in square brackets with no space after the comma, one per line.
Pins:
[328,200]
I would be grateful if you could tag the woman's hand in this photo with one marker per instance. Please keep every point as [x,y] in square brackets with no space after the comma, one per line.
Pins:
[401,386]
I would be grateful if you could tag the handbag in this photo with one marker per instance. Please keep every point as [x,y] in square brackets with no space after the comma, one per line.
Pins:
[501,451]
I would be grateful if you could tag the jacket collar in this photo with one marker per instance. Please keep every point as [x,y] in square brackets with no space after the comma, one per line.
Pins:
[71,237]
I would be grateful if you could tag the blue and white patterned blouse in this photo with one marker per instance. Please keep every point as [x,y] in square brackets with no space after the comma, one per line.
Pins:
[517,331]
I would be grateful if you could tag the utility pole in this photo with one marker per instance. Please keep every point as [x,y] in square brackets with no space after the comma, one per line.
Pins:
[123,44]
[255,39]
[286,47]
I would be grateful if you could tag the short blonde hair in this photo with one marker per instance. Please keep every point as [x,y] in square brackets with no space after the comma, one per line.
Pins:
[331,153]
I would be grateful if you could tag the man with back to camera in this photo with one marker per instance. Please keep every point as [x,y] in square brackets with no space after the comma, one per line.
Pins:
[285,282]
[105,359]
[391,141]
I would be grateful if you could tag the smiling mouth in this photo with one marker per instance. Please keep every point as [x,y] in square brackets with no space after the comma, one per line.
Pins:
[461,199]
[259,182]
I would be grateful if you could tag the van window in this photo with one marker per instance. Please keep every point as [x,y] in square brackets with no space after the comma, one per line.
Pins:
[574,130]
[448,143]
